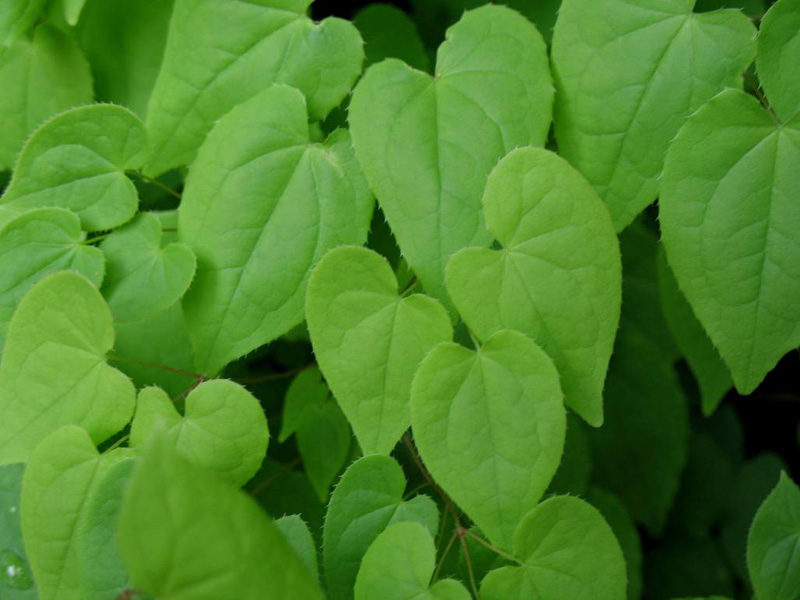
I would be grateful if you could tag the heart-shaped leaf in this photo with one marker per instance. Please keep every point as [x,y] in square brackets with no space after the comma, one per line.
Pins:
[142,277]
[368,498]
[224,429]
[778,58]
[567,550]
[260,207]
[369,341]
[54,371]
[490,426]
[399,565]
[628,72]
[297,533]
[222,52]
[427,143]
[389,32]
[557,278]
[77,160]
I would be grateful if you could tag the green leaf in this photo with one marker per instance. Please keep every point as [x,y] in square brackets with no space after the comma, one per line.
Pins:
[399,565]
[388,32]
[77,160]
[427,143]
[54,371]
[772,556]
[366,501]
[38,243]
[728,212]
[296,532]
[143,277]
[567,550]
[260,207]
[218,544]
[17,17]
[224,429]
[16,579]
[575,471]
[369,341]
[41,77]
[490,426]
[220,53]
[60,478]
[628,73]
[778,58]
[557,277]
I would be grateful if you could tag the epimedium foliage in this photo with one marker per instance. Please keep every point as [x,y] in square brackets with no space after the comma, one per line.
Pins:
[376,309]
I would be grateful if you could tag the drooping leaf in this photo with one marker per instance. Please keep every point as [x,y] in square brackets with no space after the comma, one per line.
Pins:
[223,430]
[490,427]
[16,579]
[296,532]
[17,17]
[77,160]
[38,243]
[388,32]
[143,276]
[54,370]
[260,207]
[628,73]
[399,565]
[427,143]
[219,544]
[778,58]
[369,341]
[567,550]
[557,278]
[220,53]
[366,501]
[728,213]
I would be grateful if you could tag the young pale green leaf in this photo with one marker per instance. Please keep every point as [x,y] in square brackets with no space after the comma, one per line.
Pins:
[389,32]
[369,341]
[220,53]
[772,546]
[185,533]
[77,160]
[17,17]
[39,78]
[16,579]
[490,426]
[35,244]
[567,550]
[778,58]
[399,565]
[142,277]
[54,371]
[224,429]
[628,73]
[558,277]
[60,478]
[427,143]
[296,532]
[729,215]
[260,207]
[366,501]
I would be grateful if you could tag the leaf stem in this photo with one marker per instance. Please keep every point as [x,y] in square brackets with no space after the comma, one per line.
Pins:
[468,560]
[493,548]
[411,285]
[756,87]
[156,183]
[442,558]
[145,363]
[270,480]
[274,376]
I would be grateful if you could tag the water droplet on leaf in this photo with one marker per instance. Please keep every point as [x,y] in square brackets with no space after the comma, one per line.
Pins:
[14,571]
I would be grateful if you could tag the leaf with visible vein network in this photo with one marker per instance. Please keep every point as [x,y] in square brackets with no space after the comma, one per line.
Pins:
[369,340]
[54,369]
[557,277]
[778,58]
[427,143]
[628,73]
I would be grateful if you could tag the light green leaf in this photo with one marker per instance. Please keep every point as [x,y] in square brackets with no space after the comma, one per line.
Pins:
[557,278]
[567,551]
[39,77]
[260,207]
[16,579]
[220,544]
[296,532]
[369,341]
[490,426]
[628,73]
[220,53]
[77,160]
[399,565]
[728,212]
[72,10]
[772,556]
[143,278]
[389,32]
[38,243]
[366,501]
[17,17]
[60,478]
[224,429]
[778,58]
[427,143]
[54,370]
